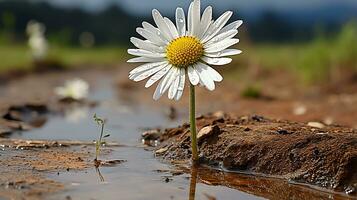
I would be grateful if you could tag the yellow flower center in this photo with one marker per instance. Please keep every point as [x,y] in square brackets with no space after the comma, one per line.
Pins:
[184,51]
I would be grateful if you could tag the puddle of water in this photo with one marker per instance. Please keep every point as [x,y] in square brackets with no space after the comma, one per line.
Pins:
[138,177]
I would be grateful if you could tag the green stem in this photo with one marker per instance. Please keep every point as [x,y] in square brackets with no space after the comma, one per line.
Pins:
[193,124]
[101,132]
[99,142]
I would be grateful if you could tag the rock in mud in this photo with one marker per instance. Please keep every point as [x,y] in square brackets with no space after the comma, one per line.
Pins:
[151,137]
[108,163]
[151,134]
[316,124]
[4,131]
[161,151]
[293,151]
[24,116]
[207,131]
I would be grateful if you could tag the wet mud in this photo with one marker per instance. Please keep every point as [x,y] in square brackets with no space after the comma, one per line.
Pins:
[24,167]
[325,156]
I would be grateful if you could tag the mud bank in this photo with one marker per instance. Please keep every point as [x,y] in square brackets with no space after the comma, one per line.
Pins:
[24,166]
[325,156]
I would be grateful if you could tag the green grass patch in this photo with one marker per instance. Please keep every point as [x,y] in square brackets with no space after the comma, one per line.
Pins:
[312,62]
[14,57]
[19,57]
[251,91]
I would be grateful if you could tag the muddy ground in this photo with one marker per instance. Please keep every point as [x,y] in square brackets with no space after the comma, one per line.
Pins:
[326,156]
[24,167]
[323,156]
[281,97]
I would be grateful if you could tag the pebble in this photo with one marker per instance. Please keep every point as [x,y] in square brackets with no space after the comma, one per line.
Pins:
[219,114]
[300,110]
[350,190]
[328,120]
[151,134]
[316,124]
[207,131]
[161,151]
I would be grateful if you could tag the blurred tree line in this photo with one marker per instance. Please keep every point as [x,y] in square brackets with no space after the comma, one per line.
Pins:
[115,26]
[64,26]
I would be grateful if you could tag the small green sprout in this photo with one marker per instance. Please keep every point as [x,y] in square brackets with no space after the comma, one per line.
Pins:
[252,91]
[99,142]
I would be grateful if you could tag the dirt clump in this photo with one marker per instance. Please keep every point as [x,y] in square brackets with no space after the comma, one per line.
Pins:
[326,157]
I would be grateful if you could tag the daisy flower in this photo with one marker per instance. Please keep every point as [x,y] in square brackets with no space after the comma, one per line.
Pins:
[76,89]
[186,48]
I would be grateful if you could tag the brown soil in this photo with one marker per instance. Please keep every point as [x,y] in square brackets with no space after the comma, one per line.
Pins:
[280,96]
[24,168]
[326,157]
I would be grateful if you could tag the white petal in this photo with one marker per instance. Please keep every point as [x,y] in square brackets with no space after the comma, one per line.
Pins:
[145,59]
[149,27]
[152,37]
[196,17]
[146,45]
[205,76]
[161,24]
[217,61]
[147,66]
[174,86]
[156,32]
[145,74]
[157,93]
[144,53]
[193,76]
[180,21]
[164,84]
[170,77]
[189,20]
[205,21]
[214,74]
[221,45]
[225,35]
[232,26]
[226,52]
[157,76]
[217,26]
[181,84]
[172,28]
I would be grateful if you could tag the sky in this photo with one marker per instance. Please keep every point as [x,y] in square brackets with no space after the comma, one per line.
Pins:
[167,6]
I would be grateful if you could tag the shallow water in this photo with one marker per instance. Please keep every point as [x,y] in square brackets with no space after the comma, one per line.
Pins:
[138,178]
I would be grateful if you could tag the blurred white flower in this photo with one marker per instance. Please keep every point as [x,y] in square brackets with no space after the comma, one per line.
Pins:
[76,89]
[37,41]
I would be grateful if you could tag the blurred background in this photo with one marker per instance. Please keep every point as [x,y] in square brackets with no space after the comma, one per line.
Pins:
[303,41]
